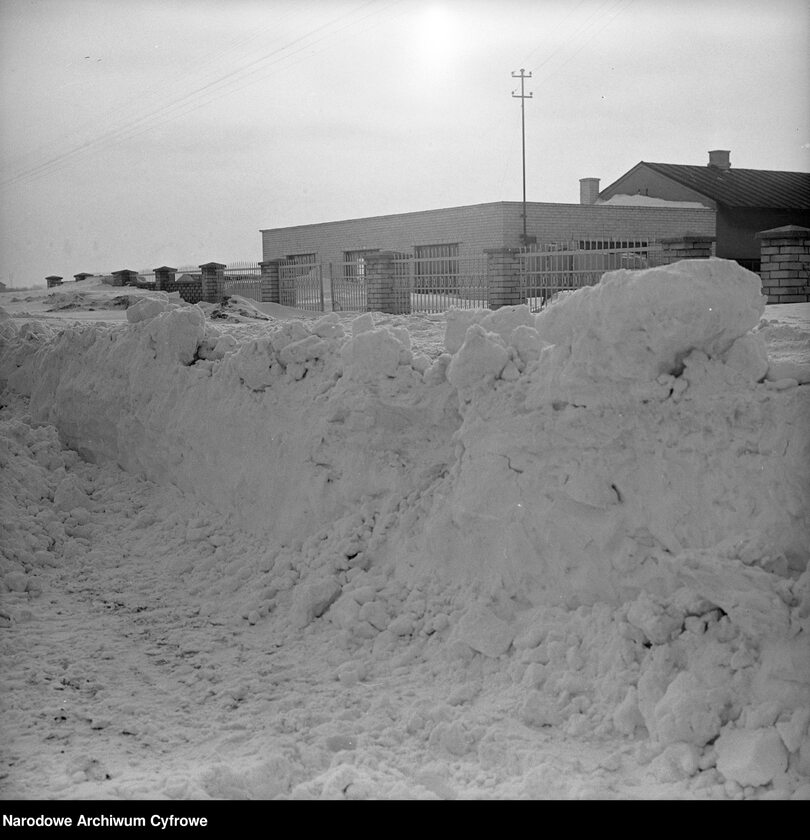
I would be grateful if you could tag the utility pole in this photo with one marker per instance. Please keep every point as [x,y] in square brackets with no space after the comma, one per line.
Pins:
[523,97]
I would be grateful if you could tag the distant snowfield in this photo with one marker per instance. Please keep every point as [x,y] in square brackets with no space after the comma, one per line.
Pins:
[250,552]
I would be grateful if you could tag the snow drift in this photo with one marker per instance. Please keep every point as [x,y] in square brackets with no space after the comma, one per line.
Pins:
[567,456]
[618,485]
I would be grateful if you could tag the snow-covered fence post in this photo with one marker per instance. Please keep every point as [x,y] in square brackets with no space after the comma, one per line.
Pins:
[785,264]
[125,277]
[164,278]
[383,292]
[689,246]
[270,281]
[503,277]
[53,280]
[213,278]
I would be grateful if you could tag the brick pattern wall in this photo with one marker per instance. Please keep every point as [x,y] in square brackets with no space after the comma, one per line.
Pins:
[383,291]
[503,277]
[213,277]
[688,247]
[785,264]
[554,222]
[479,226]
[270,281]
[191,292]
[165,277]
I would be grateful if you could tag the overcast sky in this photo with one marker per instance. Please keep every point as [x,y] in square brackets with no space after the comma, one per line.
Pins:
[149,132]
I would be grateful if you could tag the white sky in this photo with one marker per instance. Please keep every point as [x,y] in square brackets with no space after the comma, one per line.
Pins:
[149,132]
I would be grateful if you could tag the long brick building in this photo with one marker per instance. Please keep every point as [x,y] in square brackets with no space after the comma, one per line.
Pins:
[467,230]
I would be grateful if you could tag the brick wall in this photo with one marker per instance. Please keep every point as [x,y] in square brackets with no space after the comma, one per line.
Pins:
[474,228]
[191,292]
[479,226]
[550,222]
[785,264]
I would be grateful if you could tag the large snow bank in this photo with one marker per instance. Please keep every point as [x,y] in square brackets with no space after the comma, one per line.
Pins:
[612,497]
[627,426]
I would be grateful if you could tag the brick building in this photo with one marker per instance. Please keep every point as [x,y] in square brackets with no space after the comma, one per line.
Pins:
[746,201]
[467,230]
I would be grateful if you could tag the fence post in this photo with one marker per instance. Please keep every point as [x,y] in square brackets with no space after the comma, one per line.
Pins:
[270,283]
[386,291]
[164,278]
[125,277]
[503,277]
[213,278]
[785,264]
[689,246]
[53,280]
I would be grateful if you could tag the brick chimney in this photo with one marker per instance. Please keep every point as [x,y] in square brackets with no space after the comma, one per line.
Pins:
[588,190]
[719,159]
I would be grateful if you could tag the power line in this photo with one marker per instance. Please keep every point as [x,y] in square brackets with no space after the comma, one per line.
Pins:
[523,97]
[128,107]
[624,4]
[198,98]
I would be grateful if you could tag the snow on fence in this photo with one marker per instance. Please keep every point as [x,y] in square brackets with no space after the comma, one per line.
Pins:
[553,267]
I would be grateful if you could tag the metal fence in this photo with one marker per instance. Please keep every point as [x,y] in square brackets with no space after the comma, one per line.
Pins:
[548,269]
[433,284]
[301,285]
[243,279]
[347,283]
[437,284]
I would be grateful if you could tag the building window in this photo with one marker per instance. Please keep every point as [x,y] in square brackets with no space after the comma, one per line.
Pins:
[613,244]
[354,263]
[301,259]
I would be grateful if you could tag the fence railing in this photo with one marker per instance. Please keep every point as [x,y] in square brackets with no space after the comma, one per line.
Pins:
[347,284]
[300,285]
[400,283]
[434,285]
[243,279]
[437,284]
[554,267]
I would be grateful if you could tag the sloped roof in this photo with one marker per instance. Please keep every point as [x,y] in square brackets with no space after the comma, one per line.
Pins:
[741,187]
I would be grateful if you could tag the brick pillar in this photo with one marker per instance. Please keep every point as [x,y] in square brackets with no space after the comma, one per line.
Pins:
[689,246]
[503,277]
[270,282]
[53,280]
[82,275]
[388,284]
[213,278]
[125,277]
[164,278]
[785,264]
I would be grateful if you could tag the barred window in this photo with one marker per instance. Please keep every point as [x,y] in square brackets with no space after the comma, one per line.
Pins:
[301,259]
[354,264]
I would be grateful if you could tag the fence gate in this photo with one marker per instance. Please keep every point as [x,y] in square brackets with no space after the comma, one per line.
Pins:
[553,267]
[300,284]
[243,279]
[438,283]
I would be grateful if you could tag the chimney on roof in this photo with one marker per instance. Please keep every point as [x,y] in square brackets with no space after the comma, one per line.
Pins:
[588,190]
[719,159]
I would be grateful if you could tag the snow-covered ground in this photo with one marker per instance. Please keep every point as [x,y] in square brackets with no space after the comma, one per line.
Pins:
[250,552]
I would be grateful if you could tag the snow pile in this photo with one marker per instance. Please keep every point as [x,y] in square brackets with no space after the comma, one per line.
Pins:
[648,201]
[590,450]
[593,521]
